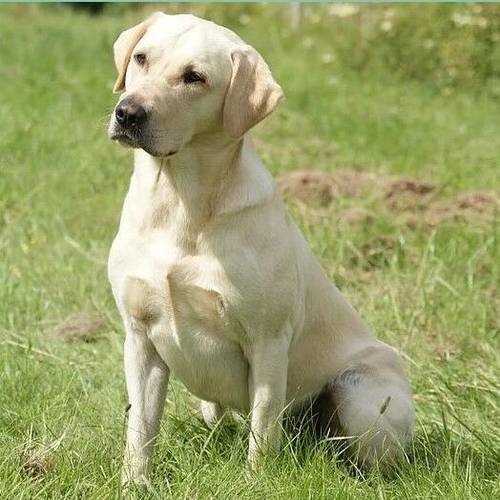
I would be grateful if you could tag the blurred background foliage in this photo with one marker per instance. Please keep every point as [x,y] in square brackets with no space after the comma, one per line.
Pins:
[448,45]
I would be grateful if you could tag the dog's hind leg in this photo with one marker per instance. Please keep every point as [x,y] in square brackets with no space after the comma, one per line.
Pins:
[370,403]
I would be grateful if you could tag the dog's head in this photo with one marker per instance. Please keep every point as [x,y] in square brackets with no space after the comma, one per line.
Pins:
[183,76]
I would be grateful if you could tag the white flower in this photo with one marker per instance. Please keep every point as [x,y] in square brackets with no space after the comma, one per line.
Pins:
[387,25]
[308,42]
[429,44]
[466,20]
[482,22]
[389,13]
[332,81]
[315,18]
[244,19]
[327,58]
[461,19]
[343,10]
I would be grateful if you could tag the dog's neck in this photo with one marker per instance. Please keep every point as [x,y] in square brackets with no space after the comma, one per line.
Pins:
[209,177]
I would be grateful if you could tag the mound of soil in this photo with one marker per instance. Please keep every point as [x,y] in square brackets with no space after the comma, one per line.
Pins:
[82,326]
[407,193]
[315,186]
[472,206]
[410,198]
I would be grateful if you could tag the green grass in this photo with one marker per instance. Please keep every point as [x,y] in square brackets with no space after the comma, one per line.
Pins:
[432,292]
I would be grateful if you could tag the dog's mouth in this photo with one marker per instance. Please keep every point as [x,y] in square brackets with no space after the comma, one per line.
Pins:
[126,138]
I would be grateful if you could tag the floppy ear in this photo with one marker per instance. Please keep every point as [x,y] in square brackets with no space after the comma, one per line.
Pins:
[252,93]
[124,46]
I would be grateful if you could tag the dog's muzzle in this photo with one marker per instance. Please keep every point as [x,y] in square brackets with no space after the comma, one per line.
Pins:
[130,115]
[129,119]
[129,127]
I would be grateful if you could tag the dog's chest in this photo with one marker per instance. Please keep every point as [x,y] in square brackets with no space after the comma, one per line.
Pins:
[179,302]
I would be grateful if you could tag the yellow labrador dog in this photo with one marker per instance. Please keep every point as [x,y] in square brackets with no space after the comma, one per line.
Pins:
[215,283]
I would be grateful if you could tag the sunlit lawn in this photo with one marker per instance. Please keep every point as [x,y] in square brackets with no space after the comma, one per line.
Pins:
[429,289]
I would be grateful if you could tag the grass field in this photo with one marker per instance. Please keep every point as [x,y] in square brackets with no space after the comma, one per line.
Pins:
[415,246]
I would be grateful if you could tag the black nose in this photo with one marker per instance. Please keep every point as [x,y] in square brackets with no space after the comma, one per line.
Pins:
[130,114]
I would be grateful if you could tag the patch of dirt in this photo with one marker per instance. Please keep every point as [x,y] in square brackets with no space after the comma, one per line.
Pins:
[411,198]
[36,463]
[396,185]
[82,326]
[38,459]
[474,206]
[407,193]
[315,186]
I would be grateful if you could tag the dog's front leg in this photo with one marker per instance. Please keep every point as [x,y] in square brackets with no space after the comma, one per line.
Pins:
[267,390]
[147,378]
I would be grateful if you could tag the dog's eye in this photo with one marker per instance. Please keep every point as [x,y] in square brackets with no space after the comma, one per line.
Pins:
[140,58]
[193,77]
